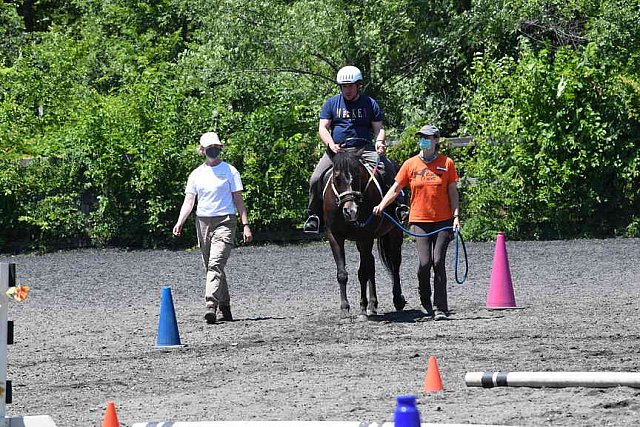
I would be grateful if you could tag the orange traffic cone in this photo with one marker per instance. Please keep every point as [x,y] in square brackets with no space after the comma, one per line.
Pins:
[432,380]
[110,417]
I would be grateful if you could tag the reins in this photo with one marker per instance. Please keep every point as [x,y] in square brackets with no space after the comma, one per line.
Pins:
[457,237]
[351,195]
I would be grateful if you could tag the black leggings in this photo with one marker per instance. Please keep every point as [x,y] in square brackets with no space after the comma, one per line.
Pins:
[432,251]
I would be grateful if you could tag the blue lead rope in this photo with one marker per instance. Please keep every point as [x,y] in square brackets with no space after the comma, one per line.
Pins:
[457,237]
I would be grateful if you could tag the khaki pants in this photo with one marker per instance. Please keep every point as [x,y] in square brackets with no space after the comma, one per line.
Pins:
[215,238]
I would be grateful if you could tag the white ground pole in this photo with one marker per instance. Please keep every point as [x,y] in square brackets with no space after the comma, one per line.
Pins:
[292,424]
[6,280]
[552,379]
[4,309]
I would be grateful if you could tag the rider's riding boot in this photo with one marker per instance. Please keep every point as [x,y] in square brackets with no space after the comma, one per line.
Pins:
[312,225]
[399,207]
[402,210]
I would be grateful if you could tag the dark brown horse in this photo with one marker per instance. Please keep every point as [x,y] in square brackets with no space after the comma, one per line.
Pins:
[349,197]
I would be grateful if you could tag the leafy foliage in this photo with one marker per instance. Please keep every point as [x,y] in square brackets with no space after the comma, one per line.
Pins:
[111,97]
[558,159]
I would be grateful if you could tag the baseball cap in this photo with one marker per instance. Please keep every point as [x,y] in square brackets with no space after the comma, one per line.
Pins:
[208,139]
[429,130]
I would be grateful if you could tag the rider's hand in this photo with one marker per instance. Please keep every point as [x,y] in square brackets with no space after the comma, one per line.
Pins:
[334,147]
[381,147]
[456,223]
[377,210]
[177,230]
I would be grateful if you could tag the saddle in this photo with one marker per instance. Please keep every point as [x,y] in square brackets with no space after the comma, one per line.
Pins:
[375,178]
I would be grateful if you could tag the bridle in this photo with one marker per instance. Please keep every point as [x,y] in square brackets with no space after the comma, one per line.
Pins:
[346,196]
[349,199]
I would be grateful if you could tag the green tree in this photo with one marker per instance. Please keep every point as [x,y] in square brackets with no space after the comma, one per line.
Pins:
[555,158]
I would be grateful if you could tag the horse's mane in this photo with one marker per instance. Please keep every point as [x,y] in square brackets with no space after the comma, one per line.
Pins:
[347,161]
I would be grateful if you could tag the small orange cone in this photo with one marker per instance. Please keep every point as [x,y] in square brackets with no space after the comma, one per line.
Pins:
[432,381]
[110,417]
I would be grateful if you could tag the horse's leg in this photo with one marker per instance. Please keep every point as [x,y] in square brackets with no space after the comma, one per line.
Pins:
[367,277]
[337,248]
[392,247]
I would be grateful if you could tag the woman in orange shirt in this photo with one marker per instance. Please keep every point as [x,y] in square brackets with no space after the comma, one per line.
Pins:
[432,178]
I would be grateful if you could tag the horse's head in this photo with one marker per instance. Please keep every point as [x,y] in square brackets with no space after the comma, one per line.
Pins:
[346,182]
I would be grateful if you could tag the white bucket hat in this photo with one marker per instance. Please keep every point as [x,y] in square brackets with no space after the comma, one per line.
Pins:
[210,138]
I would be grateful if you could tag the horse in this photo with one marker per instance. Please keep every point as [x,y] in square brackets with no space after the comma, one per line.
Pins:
[351,191]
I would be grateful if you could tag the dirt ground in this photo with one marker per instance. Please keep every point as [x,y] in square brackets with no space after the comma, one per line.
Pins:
[86,335]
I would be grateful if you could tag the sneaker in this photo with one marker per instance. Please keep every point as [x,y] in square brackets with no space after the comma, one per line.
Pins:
[427,311]
[312,225]
[226,313]
[402,213]
[211,313]
[441,315]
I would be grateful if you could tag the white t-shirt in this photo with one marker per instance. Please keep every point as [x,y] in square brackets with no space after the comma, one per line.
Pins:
[213,186]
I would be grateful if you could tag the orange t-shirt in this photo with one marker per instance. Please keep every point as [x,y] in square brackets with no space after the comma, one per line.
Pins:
[429,183]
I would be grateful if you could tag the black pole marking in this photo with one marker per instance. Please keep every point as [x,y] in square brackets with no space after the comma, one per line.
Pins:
[12,275]
[487,380]
[501,379]
[9,332]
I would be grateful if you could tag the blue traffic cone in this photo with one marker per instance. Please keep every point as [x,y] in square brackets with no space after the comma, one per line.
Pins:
[168,335]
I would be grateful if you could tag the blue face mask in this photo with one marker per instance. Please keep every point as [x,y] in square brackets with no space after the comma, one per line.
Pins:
[425,143]
[213,152]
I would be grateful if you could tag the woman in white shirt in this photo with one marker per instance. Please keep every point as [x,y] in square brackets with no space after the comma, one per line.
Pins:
[217,187]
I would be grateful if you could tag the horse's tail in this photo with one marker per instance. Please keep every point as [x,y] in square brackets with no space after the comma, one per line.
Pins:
[390,250]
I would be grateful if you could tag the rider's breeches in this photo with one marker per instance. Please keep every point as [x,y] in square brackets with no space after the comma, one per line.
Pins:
[315,185]
[432,252]
[385,168]
[215,238]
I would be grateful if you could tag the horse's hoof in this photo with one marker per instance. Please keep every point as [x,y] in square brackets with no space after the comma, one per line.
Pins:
[344,313]
[362,318]
[372,312]
[400,303]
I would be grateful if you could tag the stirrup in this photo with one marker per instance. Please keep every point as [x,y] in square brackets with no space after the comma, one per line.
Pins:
[402,213]
[312,225]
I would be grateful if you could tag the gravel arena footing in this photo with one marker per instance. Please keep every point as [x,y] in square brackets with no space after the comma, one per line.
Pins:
[86,335]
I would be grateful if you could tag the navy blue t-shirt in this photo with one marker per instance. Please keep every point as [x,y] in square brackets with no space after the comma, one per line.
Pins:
[351,119]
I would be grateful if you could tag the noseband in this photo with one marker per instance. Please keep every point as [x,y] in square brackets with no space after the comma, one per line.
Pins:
[351,175]
[347,196]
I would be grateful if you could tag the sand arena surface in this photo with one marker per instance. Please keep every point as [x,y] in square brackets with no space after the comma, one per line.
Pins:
[86,335]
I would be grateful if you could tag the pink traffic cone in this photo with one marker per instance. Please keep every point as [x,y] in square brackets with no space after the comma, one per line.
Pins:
[501,288]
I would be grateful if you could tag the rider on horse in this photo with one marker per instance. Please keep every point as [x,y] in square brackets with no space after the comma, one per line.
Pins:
[350,119]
